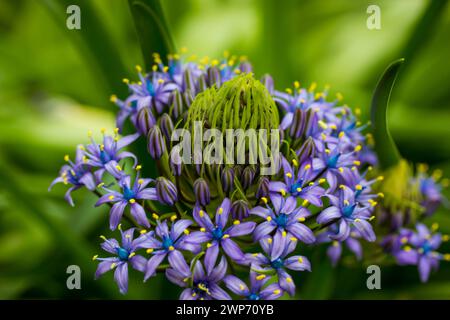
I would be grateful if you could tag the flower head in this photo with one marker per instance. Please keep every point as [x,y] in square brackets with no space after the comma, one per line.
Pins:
[256,291]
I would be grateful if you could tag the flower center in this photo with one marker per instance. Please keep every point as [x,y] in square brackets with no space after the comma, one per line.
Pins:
[167,242]
[332,161]
[277,264]
[150,88]
[122,254]
[281,220]
[347,211]
[201,287]
[217,233]
[426,246]
[295,186]
[128,193]
[253,296]
[104,157]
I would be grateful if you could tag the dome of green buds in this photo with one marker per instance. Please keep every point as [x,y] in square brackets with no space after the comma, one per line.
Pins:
[240,103]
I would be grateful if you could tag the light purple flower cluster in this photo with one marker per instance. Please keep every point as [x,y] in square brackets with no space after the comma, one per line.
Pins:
[206,220]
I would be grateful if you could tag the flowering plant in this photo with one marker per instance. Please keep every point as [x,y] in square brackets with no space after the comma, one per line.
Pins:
[202,223]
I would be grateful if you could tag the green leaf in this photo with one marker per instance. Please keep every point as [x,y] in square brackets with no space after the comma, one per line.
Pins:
[94,42]
[152,29]
[385,147]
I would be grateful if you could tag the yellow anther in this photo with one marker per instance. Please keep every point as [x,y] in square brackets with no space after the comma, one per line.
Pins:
[322,180]
[346,202]
[357,163]
[95,257]
[305,202]
[102,147]
[225,236]
[119,168]
[160,81]
[138,167]
[335,243]
[131,255]
[202,230]
[140,181]
[371,218]
[113,265]
[150,250]
[166,69]
[260,277]
[357,220]
[299,189]
[289,175]
[269,241]
[327,151]
[372,202]
[293,239]
[407,248]
[241,287]
[132,201]
[322,124]
[186,232]
[358,187]
[237,71]
[341,134]
[269,218]
[103,238]
[307,167]
[201,213]
[380,178]
[312,87]
[154,67]
[300,260]
[283,192]
[119,226]
[323,136]
[301,219]
[125,80]
[138,68]
[447,257]
[220,211]
[101,184]
[143,231]
[236,222]
[113,98]
[264,199]
[296,84]
[209,245]
[173,218]
[358,148]
[341,170]
[435,226]
[445,237]
[66,157]
[289,279]
[295,163]
[339,96]
[288,90]
[342,186]
[155,216]
[89,133]
[111,197]
[214,62]
[276,291]
[284,233]
[171,248]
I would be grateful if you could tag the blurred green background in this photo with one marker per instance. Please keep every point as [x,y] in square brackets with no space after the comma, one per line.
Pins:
[52,91]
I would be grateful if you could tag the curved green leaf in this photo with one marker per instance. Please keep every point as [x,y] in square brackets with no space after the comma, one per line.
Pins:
[152,29]
[385,147]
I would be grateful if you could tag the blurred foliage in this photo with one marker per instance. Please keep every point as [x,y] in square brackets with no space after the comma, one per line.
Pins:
[53,90]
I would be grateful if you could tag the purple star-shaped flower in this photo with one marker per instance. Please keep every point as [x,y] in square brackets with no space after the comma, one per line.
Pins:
[219,234]
[129,196]
[276,260]
[124,254]
[256,291]
[285,216]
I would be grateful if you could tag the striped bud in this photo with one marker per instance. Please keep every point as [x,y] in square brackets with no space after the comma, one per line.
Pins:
[155,142]
[213,78]
[227,179]
[306,151]
[201,190]
[166,125]
[166,192]
[145,120]
[177,104]
[239,210]
[247,177]
[263,188]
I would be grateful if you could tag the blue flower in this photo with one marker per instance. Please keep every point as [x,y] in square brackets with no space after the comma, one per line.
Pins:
[276,260]
[203,282]
[124,254]
[285,217]
[164,242]
[77,174]
[257,291]
[219,234]
[300,184]
[345,211]
[129,196]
